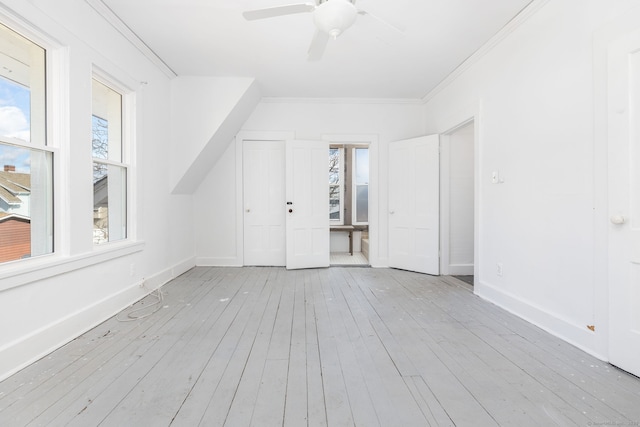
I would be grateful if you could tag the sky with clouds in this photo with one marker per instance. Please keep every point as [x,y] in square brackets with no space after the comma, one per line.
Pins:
[14,123]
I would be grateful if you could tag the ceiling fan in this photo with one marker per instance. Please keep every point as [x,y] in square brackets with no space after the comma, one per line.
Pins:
[331,17]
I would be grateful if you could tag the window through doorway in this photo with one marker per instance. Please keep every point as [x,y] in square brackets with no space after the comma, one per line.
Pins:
[349,204]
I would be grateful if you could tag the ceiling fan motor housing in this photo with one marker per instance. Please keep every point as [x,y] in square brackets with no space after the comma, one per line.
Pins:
[335,16]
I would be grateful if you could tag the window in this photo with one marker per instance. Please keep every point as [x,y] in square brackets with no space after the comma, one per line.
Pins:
[361,183]
[26,162]
[349,186]
[335,184]
[109,169]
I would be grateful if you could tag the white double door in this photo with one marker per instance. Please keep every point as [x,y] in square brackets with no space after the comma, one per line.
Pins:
[286,202]
[624,202]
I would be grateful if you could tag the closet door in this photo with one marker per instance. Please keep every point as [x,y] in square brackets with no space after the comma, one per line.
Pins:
[264,201]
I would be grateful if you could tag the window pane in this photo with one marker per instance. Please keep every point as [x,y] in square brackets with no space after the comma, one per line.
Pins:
[362,165]
[334,202]
[106,123]
[109,203]
[26,206]
[99,137]
[109,179]
[22,88]
[334,165]
[362,203]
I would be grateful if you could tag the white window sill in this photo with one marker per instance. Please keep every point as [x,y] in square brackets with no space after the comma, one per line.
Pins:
[32,270]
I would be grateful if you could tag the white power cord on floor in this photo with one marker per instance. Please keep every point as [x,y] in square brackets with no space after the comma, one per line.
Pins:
[132,316]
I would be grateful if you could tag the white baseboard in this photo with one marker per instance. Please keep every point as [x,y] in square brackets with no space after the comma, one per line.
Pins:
[182,267]
[218,262]
[28,349]
[461,269]
[577,335]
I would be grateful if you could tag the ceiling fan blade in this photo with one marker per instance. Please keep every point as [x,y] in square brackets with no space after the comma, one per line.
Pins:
[272,12]
[318,45]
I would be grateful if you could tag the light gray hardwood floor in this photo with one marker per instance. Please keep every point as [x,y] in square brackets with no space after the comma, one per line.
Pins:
[327,347]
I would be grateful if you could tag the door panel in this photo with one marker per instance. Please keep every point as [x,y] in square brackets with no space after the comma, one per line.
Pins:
[414,192]
[264,197]
[624,202]
[307,208]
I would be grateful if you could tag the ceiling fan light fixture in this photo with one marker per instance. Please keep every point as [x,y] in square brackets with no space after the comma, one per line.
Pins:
[335,16]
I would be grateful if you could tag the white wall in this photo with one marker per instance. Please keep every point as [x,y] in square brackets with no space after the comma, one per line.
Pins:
[532,97]
[47,301]
[218,217]
[206,112]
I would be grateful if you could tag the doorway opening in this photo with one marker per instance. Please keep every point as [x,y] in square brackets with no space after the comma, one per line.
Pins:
[458,204]
[349,204]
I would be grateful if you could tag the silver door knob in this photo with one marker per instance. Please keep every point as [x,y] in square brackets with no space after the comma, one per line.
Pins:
[617,219]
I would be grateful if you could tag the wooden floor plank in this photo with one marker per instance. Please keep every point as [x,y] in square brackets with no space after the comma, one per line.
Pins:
[296,404]
[336,395]
[316,402]
[342,346]
[431,408]
[268,409]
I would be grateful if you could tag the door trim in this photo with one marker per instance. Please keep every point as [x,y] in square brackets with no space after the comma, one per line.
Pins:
[471,112]
[374,189]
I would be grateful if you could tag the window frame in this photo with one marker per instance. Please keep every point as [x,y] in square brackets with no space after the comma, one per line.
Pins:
[355,185]
[127,129]
[46,142]
[340,184]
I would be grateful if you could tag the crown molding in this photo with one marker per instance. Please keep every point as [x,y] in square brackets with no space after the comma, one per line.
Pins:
[372,101]
[114,20]
[522,16]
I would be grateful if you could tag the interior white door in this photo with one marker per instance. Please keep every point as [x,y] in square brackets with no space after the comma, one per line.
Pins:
[263,173]
[307,205]
[414,207]
[624,202]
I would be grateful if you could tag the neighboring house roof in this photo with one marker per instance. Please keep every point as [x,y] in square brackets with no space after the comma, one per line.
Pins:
[13,185]
[4,216]
[100,192]
[9,197]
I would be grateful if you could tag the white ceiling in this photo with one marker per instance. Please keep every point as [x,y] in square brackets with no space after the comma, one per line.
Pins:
[369,60]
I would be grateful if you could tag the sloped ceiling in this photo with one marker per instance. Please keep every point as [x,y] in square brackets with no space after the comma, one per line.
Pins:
[369,60]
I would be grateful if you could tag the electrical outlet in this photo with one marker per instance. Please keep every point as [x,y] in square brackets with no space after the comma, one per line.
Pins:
[499,269]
